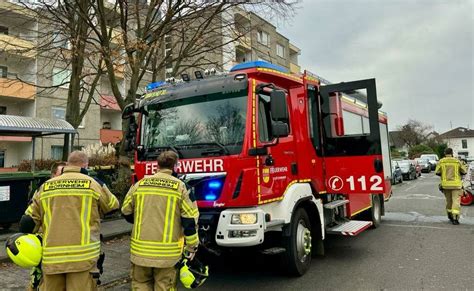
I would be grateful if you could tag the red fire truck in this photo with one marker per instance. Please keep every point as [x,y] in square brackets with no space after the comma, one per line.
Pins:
[276,160]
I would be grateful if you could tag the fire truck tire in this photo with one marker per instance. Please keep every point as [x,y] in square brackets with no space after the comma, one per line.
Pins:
[376,210]
[296,260]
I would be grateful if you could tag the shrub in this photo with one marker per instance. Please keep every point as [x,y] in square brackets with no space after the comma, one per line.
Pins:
[416,151]
[40,165]
[98,150]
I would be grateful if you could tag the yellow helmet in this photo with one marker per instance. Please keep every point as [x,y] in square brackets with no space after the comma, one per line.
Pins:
[192,274]
[25,250]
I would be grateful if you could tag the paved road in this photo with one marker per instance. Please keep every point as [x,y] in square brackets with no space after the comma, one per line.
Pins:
[420,201]
[416,248]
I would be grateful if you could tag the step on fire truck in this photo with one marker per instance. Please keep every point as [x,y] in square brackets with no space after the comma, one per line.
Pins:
[276,160]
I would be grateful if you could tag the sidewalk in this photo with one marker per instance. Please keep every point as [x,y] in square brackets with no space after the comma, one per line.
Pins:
[109,229]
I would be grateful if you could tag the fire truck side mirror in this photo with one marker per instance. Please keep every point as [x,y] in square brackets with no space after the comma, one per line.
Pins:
[278,105]
[131,134]
[128,111]
[279,129]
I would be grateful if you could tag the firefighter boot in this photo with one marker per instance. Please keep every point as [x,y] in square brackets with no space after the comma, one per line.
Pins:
[450,216]
[455,220]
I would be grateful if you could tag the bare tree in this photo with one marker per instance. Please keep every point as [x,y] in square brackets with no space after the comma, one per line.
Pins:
[197,29]
[413,132]
[62,45]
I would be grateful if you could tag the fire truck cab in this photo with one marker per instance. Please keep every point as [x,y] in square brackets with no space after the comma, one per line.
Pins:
[275,160]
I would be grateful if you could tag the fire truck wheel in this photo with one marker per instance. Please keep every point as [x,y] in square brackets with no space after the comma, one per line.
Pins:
[376,211]
[297,258]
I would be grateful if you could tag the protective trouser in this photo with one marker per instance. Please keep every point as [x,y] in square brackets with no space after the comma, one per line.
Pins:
[80,281]
[158,279]
[453,202]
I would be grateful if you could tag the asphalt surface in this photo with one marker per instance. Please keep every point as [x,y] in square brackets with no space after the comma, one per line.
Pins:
[415,248]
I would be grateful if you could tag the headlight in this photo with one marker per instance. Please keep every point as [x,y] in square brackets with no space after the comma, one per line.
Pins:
[244,218]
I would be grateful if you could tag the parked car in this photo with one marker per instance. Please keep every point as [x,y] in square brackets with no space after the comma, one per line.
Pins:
[432,158]
[408,169]
[424,164]
[417,168]
[396,173]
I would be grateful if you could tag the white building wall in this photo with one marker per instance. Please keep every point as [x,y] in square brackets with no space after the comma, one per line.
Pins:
[456,145]
[15,152]
[114,117]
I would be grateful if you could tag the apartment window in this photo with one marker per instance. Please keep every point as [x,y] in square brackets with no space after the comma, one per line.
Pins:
[280,50]
[263,37]
[61,41]
[3,30]
[3,110]
[2,159]
[60,113]
[61,77]
[56,152]
[3,72]
[464,143]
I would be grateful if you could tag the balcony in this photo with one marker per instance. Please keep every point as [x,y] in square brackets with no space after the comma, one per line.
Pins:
[17,46]
[15,8]
[295,69]
[110,136]
[17,89]
[244,41]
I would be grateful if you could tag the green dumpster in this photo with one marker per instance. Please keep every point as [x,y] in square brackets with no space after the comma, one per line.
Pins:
[14,195]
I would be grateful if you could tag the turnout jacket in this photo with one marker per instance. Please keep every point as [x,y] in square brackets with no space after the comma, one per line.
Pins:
[450,170]
[165,218]
[68,209]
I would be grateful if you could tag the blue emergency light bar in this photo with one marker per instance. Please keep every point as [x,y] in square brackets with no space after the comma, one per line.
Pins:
[155,85]
[258,64]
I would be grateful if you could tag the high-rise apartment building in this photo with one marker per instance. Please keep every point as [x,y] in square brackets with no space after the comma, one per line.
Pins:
[26,74]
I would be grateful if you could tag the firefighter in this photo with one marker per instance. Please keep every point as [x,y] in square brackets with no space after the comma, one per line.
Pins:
[450,171]
[163,210]
[57,169]
[68,209]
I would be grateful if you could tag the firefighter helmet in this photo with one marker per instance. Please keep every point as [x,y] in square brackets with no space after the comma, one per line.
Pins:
[192,273]
[25,250]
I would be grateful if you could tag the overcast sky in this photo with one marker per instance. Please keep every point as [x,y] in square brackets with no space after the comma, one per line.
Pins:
[419,51]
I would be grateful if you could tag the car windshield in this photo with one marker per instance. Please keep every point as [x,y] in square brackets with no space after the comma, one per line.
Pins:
[429,157]
[404,163]
[215,122]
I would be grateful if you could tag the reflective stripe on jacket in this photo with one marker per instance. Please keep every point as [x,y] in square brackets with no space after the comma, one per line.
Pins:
[165,219]
[68,209]
[450,170]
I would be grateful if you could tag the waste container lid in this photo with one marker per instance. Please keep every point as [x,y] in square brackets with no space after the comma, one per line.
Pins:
[11,176]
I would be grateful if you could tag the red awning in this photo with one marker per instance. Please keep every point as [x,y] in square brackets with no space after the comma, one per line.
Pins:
[109,102]
[16,138]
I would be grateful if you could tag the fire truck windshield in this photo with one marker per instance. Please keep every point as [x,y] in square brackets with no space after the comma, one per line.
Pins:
[209,125]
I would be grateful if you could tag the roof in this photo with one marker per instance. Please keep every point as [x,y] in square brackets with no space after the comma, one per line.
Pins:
[11,125]
[109,102]
[459,132]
